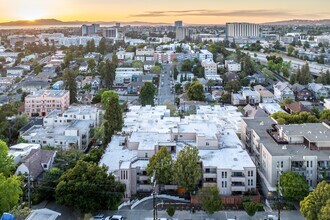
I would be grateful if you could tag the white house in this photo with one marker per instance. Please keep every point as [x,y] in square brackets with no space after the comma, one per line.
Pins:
[15,72]
[232,66]
[282,91]
[83,67]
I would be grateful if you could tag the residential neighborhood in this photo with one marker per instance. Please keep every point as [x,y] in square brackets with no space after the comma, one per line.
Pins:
[111,120]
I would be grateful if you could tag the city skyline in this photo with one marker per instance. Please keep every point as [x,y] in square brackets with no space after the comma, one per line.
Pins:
[195,12]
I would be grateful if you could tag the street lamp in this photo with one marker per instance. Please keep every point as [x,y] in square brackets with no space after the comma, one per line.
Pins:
[279,190]
[153,180]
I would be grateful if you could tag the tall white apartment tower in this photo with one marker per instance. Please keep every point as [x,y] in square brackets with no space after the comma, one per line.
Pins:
[242,30]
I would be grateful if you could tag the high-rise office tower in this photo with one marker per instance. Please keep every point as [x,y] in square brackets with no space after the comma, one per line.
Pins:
[239,30]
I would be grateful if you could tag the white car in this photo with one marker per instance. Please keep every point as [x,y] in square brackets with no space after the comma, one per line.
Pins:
[115,217]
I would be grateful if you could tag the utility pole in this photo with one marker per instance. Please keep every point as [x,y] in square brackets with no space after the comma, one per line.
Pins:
[29,190]
[279,190]
[153,180]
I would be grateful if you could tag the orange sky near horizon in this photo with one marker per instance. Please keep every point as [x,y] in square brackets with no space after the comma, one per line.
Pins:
[190,11]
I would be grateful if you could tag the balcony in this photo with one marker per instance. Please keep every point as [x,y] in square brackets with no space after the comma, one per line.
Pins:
[210,175]
[237,177]
[298,169]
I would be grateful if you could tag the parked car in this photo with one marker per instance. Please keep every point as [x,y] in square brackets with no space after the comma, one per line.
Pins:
[115,217]
[99,217]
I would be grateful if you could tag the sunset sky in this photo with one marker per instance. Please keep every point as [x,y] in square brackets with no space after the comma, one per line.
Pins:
[190,11]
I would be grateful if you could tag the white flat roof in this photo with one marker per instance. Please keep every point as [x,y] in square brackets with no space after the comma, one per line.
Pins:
[115,154]
[230,155]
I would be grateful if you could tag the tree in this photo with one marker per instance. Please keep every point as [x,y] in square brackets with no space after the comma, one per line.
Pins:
[113,114]
[232,86]
[6,161]
[314,203]
[91,64]
[10,191]
[67,159]
[88,187]
[161,163]
[69,78]
[186,66]
[107,71]
[186,168]
[147,94]
[47,185]
[294,187]
[156,69]
[325,211]
[102,48]
[137,64]
[67,59]
[210,199]
[250,207]
[290,50]
[196,91]
[170,211]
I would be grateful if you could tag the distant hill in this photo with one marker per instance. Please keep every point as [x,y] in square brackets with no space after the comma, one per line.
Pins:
[300,22]
[56,22]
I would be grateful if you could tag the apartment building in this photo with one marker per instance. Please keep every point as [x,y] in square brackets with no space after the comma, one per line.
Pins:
[211,70]
[42,102]
[164,57]
[124,75]
[68,129]
[78,40]
[89,29]
[213,130]
[239,30]
[275,149]
[232,66]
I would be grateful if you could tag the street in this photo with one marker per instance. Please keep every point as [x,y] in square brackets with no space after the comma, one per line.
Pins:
[200,215]
[165,96]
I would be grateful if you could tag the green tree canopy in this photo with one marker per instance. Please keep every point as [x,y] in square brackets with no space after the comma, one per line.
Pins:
[69,78]
[161,163]
[47,185]
[6,161]
[250,208]
[210,199]
[137,64]
[89,188]
[186,168]
[10,191]
[294,187]
[196,91]
[113,114]
[67,159]
[147,94]
[314,203]
[156,69]
[102,48]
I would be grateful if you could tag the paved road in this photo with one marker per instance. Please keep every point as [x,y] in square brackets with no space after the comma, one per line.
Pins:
[223,215]
[315,68]
[165,96]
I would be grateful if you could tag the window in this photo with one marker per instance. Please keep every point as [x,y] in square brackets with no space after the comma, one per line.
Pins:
[146,155]
[311,163]
[307,163]
[225,184]
[222,184]
[281,164]
[224,174]
[207,144]
[248,182]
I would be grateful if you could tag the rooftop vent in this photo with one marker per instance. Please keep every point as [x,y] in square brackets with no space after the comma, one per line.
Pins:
[284,147]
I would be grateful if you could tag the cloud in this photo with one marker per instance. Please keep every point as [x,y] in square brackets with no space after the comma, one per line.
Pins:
[218,13]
